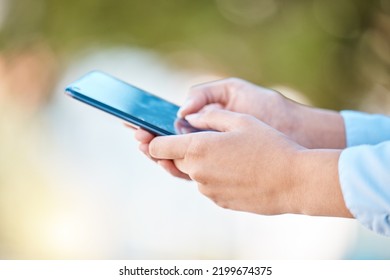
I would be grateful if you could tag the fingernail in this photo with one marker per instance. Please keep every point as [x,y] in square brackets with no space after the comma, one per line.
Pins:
[192,117]
[185,106]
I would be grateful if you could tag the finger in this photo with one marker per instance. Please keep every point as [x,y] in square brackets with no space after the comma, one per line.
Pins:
[129,126]
[203,94]
[169,147]
[212,106]
[215,119]
[170,167]
[143,136]
[144,148]
[182,166]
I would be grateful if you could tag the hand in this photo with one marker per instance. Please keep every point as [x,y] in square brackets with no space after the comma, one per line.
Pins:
[145,137]
[249,166]
[246,166]
[310,127]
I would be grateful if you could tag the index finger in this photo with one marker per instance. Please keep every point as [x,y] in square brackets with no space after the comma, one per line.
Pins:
[204,94]
[143,136]
[169,147]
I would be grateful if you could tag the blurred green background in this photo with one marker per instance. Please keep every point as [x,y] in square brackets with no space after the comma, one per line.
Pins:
[334,52]
[65,194]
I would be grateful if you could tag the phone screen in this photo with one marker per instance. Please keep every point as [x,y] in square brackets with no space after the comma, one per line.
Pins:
[129,103]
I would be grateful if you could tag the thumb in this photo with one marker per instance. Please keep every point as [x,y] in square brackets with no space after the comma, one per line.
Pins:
[216,119]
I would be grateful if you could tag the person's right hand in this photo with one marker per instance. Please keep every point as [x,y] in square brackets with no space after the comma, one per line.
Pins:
[309,127]
[144,138]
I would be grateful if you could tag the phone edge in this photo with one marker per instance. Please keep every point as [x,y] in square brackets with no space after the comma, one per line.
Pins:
[114,112]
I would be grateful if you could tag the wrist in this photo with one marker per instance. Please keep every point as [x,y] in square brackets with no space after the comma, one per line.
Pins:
[285,113]
[316,184]
[289,194]
[315,128]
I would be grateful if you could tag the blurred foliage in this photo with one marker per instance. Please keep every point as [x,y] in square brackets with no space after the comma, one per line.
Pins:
[332,51]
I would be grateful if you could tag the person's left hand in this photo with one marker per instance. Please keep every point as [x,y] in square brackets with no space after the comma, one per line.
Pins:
[246,165]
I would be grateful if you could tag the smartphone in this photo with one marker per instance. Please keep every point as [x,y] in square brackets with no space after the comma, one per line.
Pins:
[135,106]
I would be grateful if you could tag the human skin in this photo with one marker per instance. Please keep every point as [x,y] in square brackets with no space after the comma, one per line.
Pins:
[269,156]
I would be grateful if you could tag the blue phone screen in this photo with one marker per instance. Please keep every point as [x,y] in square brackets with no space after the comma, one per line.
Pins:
[129,103]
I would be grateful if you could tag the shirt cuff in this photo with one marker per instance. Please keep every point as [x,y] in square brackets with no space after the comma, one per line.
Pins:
[362,128]
[364,173]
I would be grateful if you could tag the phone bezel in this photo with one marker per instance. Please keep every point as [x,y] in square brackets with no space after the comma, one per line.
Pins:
[77,94]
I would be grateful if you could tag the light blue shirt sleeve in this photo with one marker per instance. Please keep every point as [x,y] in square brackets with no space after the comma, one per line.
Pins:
[362,128]
[364,169]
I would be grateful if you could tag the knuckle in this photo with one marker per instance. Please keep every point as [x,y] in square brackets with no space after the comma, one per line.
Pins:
[221,201]
[207,114]
[234,80]
[195,149]
[199,88]
[194,90]
[223,204]
[233,83]
[198,175]
[244,120]
[195,153]
[207,191]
